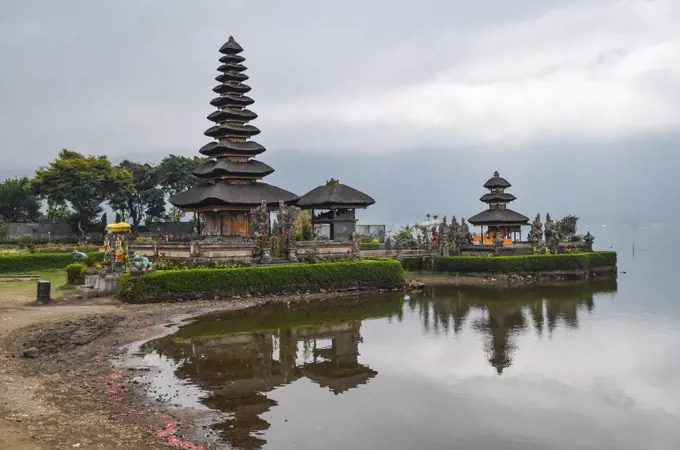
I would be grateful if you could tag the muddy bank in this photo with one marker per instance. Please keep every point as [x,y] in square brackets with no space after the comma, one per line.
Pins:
[71,396]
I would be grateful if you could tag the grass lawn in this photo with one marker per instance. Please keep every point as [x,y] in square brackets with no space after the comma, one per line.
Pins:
[27,288]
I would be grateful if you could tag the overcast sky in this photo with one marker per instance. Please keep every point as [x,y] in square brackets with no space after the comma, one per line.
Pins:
[438,92]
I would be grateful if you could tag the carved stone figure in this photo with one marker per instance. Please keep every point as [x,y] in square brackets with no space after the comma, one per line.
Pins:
[443,237]
[79,256]
[536,233]
[356,245]
[497,243]
[551,235]
[259,218]
[463,237]
[588,239]
[142,263]
[120,252]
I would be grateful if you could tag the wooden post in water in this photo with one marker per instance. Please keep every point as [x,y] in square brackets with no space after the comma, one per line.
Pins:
[44,292]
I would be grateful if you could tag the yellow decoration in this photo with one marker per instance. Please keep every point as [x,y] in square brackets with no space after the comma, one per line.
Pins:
[120,227]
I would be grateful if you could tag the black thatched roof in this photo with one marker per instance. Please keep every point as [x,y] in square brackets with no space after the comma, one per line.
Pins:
[499,216]
[223,194]
[227,113]
[232,59]
[231,76]
[231,47]
[232,129]
[334,195]
[250,148]
[225,167]
[229,87]
[496,182]
[499,197]
[232,100]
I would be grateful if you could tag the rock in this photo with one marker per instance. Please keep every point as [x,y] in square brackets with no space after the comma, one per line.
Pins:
[31,352]
[416,285]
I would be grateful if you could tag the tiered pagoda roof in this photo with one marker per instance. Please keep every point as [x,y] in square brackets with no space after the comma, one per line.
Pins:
[335,195]
[230,178]
[498,213]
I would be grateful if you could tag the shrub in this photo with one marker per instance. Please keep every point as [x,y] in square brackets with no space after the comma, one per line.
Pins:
[41,261]
[65,249]
[209,283]
[74,274]
[510,264]
[144,240]
[370,246]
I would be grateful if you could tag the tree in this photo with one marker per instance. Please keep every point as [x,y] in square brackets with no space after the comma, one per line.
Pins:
[566,226]
[404,236]
[140,200]
[304,225]
[174,174]
[78,184]
[175,215]
[17,203]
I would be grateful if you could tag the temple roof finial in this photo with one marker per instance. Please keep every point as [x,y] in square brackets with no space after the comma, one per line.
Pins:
[496,174]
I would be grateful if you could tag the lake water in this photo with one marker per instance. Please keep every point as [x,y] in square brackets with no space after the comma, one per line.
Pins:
[584,367]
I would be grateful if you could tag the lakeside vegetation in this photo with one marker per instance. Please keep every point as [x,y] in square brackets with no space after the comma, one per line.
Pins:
[514,264]
[208,283]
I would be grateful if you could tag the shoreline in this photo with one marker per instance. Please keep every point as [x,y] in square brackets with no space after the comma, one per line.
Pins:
[76,370]
[81,366]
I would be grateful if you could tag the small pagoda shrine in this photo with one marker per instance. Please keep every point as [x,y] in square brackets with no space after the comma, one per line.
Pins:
[333,208]
[498,218]
[230,183]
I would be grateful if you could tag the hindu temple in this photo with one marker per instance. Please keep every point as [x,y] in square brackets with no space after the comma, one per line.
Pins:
[333,207]
[498,218]
[230,181]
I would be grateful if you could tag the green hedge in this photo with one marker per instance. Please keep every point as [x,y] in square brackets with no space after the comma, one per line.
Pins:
[74,274]
[371,246]
[41,261]
[511,264]
[209,283]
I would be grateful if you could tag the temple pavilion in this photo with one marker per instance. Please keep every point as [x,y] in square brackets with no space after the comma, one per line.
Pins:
[498,218]
[333,208]
[230,181]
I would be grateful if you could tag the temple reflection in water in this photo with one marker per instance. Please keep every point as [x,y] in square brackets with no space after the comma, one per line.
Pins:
[236,361]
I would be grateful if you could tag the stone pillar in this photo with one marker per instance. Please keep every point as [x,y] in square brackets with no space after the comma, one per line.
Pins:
[44,291]
[266,256]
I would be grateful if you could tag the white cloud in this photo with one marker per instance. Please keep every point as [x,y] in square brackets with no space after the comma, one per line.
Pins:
[592,71]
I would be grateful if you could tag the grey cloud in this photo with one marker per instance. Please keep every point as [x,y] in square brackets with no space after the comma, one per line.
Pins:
[134,78]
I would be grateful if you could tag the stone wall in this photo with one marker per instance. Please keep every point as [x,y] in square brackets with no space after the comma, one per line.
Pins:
[63,232]
[377,231]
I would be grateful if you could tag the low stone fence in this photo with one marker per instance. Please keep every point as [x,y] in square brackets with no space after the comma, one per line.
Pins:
[236,252]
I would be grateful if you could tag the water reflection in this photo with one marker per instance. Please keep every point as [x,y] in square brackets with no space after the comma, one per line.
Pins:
[236,361]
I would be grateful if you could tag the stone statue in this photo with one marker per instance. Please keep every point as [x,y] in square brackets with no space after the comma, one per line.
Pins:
[454,228]
[142,263]
[79,256]
[259,218]
[464,237]
[120,252]
[536,233]
[443,237]
[497,243]
[588,239]
[551,235]
[356,245]
[286,217]
[388,244]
